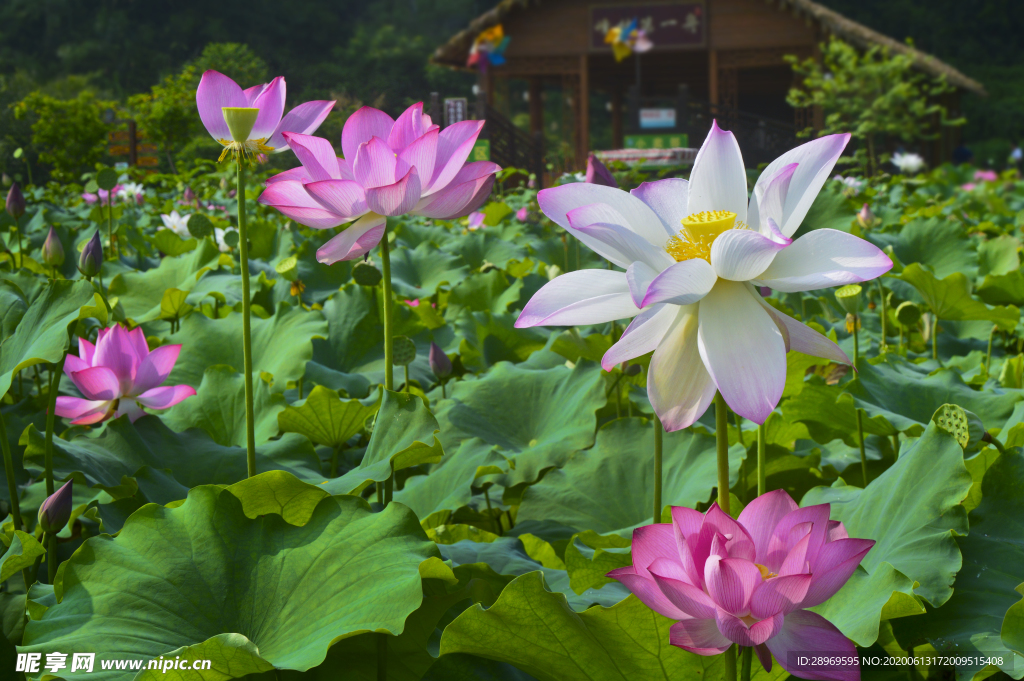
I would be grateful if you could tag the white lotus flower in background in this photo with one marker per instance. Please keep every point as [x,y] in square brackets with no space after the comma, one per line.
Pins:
[693,253]
[908,164]
[854,183]
[219,234]
[176,223]
[131,191]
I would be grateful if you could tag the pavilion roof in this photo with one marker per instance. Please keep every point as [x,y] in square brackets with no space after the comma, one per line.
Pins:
[455,52]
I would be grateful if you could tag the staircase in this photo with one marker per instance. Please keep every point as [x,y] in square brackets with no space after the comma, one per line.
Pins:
[510,146]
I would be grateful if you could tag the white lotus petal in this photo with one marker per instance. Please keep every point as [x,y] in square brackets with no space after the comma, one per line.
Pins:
[678,385]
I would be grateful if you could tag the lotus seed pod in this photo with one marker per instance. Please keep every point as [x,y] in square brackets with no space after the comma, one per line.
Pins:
[366,274]
[288,268]
[106,179]
[403,351]
[953,420]
[849,297]
[908,314]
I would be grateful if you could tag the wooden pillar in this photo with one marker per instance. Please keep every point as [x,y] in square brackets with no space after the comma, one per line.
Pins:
[617,138]
[583,111]
[713,76]
[536,106]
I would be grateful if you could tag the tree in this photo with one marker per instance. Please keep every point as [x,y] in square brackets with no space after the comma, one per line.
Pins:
[873,95]
[69,134]
[167,114]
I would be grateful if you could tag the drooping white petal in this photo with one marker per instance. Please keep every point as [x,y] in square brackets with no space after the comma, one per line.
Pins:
[639,276]
[816,159]
[604,231]
[642,335]
[802,338]
[580,297]
[668,199]
[824,258]
[743,350]
[556,203]
[684,283]
[719,178]
[678,385]
[742,254]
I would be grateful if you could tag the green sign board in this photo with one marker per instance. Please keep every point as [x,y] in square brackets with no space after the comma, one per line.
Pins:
[481,151]
[667,140]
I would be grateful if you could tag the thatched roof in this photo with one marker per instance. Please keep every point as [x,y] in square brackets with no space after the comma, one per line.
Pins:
[454,52]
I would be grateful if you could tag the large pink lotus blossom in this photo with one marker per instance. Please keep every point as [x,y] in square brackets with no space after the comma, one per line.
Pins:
[216,92]
[749,581]
[119,375]
[390,168]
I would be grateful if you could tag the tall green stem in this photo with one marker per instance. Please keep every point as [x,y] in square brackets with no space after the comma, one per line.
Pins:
[110,221]
[745,661]
[722,442]
[935,337]
[881,296]
[389,347]
[860,440]
[729,658]
[988,355]
[12,485]
[51,557]
[243,256]
[658,432]
[762,485]
[856,337]
[21,252]
[51,545]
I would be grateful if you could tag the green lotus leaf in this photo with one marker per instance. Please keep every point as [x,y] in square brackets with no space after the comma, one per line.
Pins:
[533,629]
[599,489]
[1003,289]
[537,417]
[830,210]
[487,292]
[973,621]
[218,407]
[590,556]
[486,339]
[42,334]
[937,243]
[281,345]
[866,599]
[173,245]
[140,293]
[325,418]
[447,485]
[418,273]
[21,554]
[259,593]
[12,308]
[998,255]
[481,247]
[950,298]
[912,511]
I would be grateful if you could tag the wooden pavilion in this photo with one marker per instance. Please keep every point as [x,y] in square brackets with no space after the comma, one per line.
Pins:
[716,58]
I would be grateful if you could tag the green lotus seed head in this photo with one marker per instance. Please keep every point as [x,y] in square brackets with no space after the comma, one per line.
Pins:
[908,314]
[953,420]
[288,268]
[849,297]
[403,351]
[366,274]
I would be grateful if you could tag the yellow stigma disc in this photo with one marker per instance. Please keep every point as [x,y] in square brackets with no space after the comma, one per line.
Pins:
[698,233]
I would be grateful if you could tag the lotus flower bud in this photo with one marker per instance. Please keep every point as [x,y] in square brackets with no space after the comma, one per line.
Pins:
[16,202]
[597,173]
[189,196]
[865,217]
[849,297]
[91,259]
[53,250]
[765,291]
[439,362]
[56,510]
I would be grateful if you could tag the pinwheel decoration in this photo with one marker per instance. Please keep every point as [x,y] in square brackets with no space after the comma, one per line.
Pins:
[627,37]
[489,48]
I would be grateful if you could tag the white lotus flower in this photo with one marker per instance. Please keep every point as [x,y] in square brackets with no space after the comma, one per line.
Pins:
[854,183]
[909,164]
[693,253]
[219,234]
[131,191]
[176,223]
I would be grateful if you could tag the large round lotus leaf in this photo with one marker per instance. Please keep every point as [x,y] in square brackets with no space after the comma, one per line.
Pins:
[325,418]
[281,345]
[603,490]
[420,272]
[538,417]
[218,407]
[246,592]
[938,243]
[950,298]
[447,485]
[973,621]
[912,511]
[42,333]
[533,629]
[140,293]
[12,308]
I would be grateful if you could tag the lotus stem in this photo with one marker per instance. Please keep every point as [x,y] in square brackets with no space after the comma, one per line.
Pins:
[729,657]
[856,341]
[988,355]
[243,256]
[21,252]
[406,378]
[51,557]
[762,485]
[935,338]
[51,544]
[334,461]
[490,512]
[745,660]
[658,432]
[860,440]
[12,486]
[881,297]
[110,222]
[389,347]
[722,442]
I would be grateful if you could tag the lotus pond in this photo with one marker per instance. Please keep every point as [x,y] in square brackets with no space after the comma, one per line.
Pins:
[463,524]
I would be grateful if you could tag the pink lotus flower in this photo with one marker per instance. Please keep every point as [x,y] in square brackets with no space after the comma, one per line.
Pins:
[119,375]
[522,214]
[101,195]
[986,175]
[598,173]
[748,581]
[476,220]
[970,186]
[390,168]
[216,91]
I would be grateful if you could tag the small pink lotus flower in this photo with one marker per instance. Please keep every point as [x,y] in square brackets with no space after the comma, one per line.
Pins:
[101,195]
[749,581]
[986,175]
[522,214]
[598,173]
[476,220]
[119,375]
[970,186]
[390,168]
